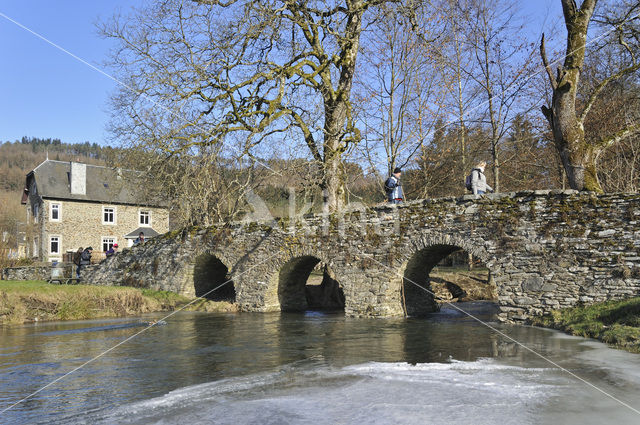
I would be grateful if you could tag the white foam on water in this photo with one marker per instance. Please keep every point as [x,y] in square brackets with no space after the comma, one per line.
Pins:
[480,392]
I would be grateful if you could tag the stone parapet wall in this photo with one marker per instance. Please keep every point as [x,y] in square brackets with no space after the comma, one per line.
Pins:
[544,249]
[42,272]
[26,273]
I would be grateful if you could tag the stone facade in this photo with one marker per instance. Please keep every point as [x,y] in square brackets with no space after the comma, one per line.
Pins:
[92,206]
[544,249]
[81,225]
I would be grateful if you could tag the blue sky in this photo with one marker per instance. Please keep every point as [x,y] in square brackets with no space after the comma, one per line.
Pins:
[45,92]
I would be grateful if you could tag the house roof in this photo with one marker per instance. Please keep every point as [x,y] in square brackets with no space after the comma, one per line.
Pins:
[103,184]
[148,233]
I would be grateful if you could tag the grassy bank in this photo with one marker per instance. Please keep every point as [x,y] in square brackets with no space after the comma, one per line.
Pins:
[27,301]
[615,322]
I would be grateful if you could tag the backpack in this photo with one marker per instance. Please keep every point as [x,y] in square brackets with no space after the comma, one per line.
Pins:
[387,186]
[76,257]
[467,182]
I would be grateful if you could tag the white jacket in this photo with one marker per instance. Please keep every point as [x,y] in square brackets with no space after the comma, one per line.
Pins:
[479,181]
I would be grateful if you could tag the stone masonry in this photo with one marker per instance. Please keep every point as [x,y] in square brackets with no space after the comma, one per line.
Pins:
[545,250]
[81,225]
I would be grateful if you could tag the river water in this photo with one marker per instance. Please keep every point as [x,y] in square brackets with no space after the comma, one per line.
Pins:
[312,368]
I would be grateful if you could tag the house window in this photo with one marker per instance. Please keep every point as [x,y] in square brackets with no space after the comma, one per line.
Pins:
[54,245]
[108,215]
[107,243]
[55,212]
[35,213]
[145,218]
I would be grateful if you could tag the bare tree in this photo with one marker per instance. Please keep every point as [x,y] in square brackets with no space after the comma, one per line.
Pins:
[456,59]
[200,188]
[569,108]
[502,65]
[255,68]
[401,92]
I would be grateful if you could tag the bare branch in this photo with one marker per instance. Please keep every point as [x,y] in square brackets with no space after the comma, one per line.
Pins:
[596,92]
[619,136]
[547,67]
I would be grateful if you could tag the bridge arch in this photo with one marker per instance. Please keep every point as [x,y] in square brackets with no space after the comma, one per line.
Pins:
[295,293]
[420,258]
[286,289]
[211,278]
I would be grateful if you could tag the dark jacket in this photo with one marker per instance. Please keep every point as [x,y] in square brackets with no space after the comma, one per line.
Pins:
[393,188]
[85,258]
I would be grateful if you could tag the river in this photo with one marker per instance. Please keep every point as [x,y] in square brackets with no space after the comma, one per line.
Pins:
[313,368]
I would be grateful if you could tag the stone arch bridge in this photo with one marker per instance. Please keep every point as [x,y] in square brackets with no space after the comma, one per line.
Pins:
[544,249]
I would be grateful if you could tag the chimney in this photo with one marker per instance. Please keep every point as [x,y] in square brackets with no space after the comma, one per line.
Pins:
[78,178]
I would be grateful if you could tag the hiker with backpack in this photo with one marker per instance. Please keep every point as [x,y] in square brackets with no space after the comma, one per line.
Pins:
[393,188]
[85,260]
[76,260]
[476,182]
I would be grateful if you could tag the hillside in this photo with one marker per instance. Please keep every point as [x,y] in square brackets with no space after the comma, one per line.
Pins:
[19,157]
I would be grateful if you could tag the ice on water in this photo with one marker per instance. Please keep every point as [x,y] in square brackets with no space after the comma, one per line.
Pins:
[372,393]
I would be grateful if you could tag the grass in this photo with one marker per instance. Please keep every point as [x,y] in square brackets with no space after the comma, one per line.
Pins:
[26,301]
[615,322]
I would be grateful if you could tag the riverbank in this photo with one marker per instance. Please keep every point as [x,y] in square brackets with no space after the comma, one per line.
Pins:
[31,301]
[616,323]
[459,284]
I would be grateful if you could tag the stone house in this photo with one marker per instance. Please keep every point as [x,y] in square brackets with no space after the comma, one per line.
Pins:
[72,204]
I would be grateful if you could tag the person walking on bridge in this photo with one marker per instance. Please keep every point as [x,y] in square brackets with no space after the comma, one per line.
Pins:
[393,187]
[479,184]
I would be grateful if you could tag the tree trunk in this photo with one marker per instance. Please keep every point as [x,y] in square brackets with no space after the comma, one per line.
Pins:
[496,165]
[333,191]
[333,181]
[337,110]
[577,155]
[462,136]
